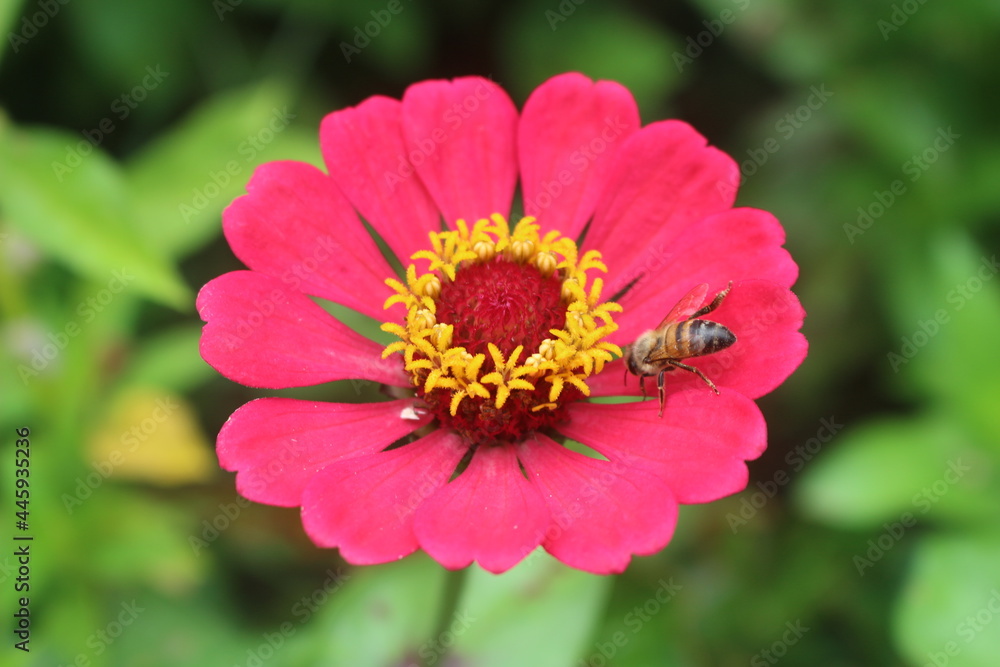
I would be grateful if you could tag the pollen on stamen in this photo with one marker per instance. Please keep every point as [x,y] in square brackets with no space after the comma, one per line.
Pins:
[425,319]
[546,262]
[485,250]
[503,327]
[432,287]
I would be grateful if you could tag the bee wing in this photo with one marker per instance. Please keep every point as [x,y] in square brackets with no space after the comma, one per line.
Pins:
[659,354]
[688,305]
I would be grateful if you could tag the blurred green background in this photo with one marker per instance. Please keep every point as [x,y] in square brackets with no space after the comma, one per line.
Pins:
[870,532]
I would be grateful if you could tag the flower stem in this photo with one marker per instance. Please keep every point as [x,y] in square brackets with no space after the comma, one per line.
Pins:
[453,583]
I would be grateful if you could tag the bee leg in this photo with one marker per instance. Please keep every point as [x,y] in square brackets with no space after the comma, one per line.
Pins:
[659,390]
[696,371]
[642,385]
[716,302]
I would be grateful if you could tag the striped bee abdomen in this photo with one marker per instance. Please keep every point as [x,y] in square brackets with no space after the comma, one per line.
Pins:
[695,338]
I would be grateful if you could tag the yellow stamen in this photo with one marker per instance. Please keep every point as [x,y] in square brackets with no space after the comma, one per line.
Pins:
[568,357]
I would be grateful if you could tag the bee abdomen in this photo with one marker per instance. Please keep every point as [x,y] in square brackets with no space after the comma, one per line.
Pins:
[696,338]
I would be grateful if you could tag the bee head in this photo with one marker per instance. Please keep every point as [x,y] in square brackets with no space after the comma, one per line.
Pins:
[635,353]
[628,358]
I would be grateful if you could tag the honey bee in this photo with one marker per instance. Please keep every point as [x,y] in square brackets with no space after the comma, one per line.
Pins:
[679,336]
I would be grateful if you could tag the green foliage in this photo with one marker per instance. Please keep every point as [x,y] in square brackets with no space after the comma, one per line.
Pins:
[66,196]
[951,605]
[180,182]
[381,616]
[508,618]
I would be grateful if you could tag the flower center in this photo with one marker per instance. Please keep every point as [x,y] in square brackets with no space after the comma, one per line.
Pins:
[502,302]
[501,331]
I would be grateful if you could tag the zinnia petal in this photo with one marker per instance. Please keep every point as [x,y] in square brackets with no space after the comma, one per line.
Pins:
[699,446]
[460,136]
[570,130]
[260,333]
[743,243]
[490,514]
[364,505]
[664,180]
[294,224]
[277,445]
[602,511]
[364,152]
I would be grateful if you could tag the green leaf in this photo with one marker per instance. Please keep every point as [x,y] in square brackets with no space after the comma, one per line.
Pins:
[539,613]
[181,182]
[136,541]
[68,625]
[882,470]
[376,618]
[67,196]
[949,611]
[946,335]
[184,628]
[169,360]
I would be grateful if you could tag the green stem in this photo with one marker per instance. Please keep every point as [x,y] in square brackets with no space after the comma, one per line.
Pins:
[453,583]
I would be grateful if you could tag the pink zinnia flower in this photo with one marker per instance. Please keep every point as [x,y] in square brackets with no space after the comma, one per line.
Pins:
[504,330]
